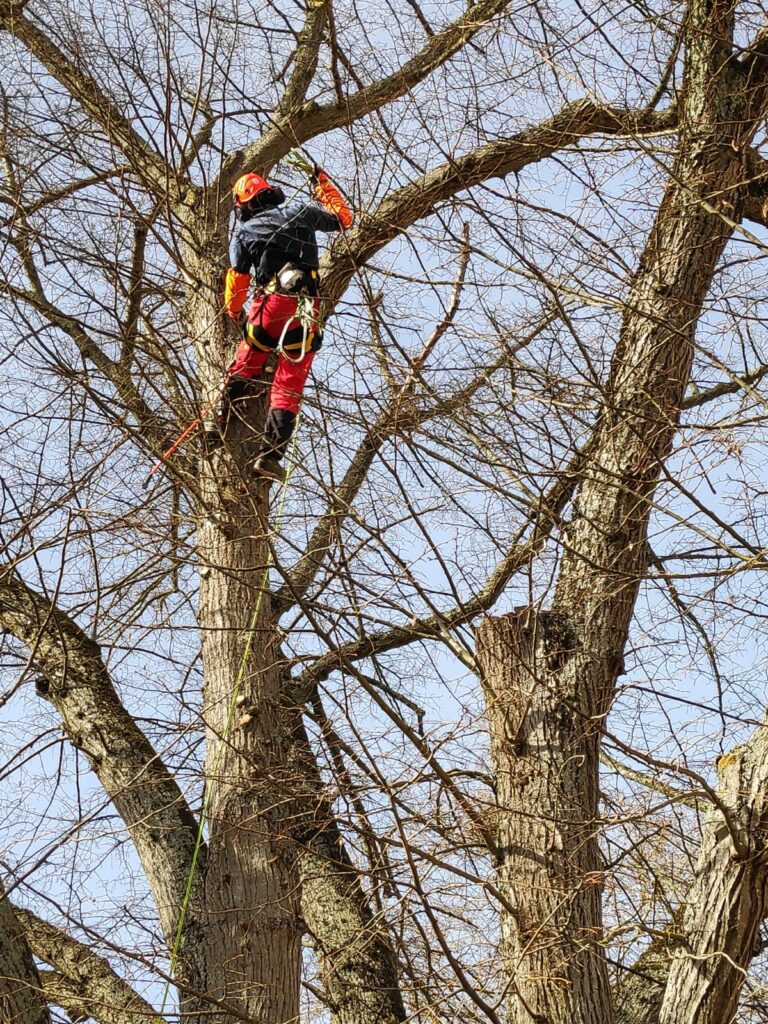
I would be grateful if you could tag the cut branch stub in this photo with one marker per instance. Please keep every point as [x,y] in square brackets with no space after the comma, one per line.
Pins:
[544,729]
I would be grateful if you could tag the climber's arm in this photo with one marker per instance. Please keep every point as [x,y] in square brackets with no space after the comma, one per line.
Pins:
[235,292]
[331,198]
[333,212]
[238,279]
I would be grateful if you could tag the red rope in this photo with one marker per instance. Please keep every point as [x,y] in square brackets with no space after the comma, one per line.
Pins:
[182,438]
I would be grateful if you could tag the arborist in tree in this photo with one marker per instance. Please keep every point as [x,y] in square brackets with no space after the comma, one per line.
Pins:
[276,245]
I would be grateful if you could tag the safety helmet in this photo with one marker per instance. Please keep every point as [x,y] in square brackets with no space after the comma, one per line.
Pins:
[248,186]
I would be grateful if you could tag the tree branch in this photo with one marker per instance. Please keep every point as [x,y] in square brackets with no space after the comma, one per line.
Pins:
[134,296]
[118,373]
[418,199]
[304,59]
[312,120]
[76,681]
[386,426]
[544,518]
[115,372]
[52,198]
[21,996]
[82,979]
[149,165]
[729,387]
[755,206]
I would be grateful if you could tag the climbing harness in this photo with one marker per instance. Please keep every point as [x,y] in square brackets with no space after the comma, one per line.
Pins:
[305,314]
[300,284]
[231,711]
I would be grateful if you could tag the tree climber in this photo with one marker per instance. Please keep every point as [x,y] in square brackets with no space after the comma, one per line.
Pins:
[277,245]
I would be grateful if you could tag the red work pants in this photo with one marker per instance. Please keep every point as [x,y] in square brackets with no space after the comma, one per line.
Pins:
[284,393]
[288,381]
[272,317]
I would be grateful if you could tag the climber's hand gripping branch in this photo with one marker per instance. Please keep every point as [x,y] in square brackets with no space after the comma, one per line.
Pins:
[300,163]
[325,191]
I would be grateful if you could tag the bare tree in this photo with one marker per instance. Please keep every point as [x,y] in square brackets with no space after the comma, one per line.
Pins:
[244,679]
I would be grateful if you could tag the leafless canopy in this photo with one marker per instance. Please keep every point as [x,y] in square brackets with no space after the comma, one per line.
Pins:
[466,723]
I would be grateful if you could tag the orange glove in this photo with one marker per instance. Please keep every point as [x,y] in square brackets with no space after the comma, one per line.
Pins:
[327,193]
[235,292]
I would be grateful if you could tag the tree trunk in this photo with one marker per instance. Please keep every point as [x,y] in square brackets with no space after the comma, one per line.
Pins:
[21,993]
[275,859]
[549,678]
[252,947]
[729,898]
[545,749]
[247,904]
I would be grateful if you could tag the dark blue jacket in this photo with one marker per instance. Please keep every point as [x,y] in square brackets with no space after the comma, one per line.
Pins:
[282,234]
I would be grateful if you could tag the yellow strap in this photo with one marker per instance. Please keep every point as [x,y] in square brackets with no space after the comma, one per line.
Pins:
[253,342]
[294,345]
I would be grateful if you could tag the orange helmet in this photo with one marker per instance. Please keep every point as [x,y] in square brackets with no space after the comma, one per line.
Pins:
[248,186]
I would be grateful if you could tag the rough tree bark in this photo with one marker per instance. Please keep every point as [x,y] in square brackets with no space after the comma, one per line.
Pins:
[549,677]
[83,983]
[22,1000]
[543,742]
[638,998]
[729,898]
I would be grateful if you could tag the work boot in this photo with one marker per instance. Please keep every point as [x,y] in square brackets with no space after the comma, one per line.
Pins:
[268,466]
[214,428]
[278,429]
[236,390]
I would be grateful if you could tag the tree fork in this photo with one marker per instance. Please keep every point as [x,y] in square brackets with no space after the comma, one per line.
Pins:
[356,957]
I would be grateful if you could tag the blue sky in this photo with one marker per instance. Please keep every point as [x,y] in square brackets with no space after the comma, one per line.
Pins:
[580,221]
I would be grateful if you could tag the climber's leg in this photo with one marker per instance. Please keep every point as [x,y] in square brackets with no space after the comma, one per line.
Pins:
[284,401]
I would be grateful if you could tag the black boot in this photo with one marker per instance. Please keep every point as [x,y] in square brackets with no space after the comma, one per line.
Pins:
[236,390]
[278,431]
[268,465]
